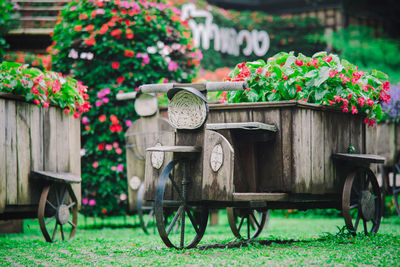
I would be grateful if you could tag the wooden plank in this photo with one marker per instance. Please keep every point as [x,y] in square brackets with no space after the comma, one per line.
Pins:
[3,159]
[50,139]
[286,130]
[317,152]
[242,125]
[359,158]
[217,183]
[11,153]
[386,144]
[267,155]
[74,153]
[331,132]
[260,196]
[36,141]
[23,152]
[62,144]
[182,149]
[66,177]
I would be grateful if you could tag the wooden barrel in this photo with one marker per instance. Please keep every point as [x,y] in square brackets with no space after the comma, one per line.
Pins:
[298,160]
[33,138]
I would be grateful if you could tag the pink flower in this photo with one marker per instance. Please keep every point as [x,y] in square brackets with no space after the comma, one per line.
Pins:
[327,59]
[128,123]
[361,101]
[259,70]
[337,98]
[85,201]
[299,63]
[108,147]
[354,110]
[92,202]
[85,120]
[386,86]
[122,197]
[99,103]
[172,66]
[344,108]
[370,102]
[95,165]
[106,91]
[36,101]
[120,167]
[115,145]
[105,100]
[100,11]
[118,151]
[113,168]
[333,73]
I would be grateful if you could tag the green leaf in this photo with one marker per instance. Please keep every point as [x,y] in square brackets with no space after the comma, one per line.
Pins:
[319,54]
[378,111]
[323,75]
[274,97]
[380,75]
[252,96]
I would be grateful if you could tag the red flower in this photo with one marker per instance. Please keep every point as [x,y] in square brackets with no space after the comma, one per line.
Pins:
[327,59]
[242,65]
[386,86]
[90,41]
[100,147]
[102,118]
[259,70]
[370,102]
[361,101]
[120,80]
[36,101]
[344,108]
[337,98]
[354,110]
[78,28]
[298,88]
[89,28]
[103,29]
[115,65]
[46,104]
[371,123]
[104,210]
[299,63]
[148,18]
[285,77]
[333,73]
[129,53]
[349,96]
[116,33]
[83,16]
[114,119]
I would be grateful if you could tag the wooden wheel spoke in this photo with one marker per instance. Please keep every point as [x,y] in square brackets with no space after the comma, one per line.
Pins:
[365,226]
[374,222]
[178,190]
[248,227]
[183,228]
[50,219]
[240,224]
[50,204]
[356,192]
[176,217]
[54,232]
[194,221]
[357,221]
[63,195]
[149,217]
[62,232]
[354,206]
[255,220]
[72,224]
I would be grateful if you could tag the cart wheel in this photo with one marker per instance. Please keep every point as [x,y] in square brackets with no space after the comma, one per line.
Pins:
[170,213]
[361,200]
[396,187]
[256,222]
[146,213]
[58,204]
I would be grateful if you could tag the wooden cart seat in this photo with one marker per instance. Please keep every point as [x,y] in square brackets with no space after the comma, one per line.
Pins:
[359,158]
[182,149]
[57,176]
[241,125]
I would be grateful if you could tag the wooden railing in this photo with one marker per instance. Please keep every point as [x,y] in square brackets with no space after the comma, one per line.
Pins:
[36,17]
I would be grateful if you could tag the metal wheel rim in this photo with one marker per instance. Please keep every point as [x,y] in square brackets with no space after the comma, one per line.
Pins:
[146,213]
[44,202]
[161,214]
[251,221]
[350,205]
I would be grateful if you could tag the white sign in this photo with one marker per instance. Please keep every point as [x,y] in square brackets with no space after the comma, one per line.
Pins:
[226,40]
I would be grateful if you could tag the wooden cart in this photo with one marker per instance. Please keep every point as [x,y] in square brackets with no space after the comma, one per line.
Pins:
[39,166]
[385,140]
[139,136]
[255,157]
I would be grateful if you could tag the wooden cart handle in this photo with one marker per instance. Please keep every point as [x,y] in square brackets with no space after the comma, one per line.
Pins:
[126,96]
[210,86]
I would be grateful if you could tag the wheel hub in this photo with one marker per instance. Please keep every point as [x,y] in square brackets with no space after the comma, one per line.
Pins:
[367,205]
[63,214]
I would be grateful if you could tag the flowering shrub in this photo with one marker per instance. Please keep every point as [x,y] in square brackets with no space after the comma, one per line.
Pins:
[35,60]
[116,46]
[391,110]
[321,79]
[44,88]
[5,17]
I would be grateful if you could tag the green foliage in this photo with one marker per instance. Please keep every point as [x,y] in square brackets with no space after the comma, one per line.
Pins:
[115,46]
[5,16]
[361,46]
[320,79]
[44,88]
[286,241]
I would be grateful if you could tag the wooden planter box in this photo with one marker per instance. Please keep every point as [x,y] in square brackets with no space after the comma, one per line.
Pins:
[298,159]
[33,138]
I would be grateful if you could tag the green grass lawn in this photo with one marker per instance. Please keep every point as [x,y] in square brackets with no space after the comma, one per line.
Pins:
[294,240]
